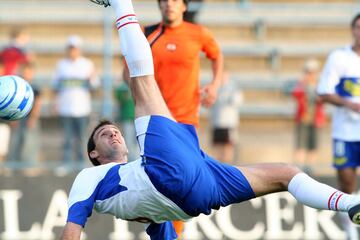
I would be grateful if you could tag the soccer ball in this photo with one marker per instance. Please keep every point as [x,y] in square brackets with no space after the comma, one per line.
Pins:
[16,98]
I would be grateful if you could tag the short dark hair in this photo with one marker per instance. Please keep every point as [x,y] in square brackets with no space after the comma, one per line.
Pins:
[354,20]
[91,143]
[185,1]
[16,32]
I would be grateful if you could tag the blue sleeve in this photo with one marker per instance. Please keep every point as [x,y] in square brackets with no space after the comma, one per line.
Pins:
[80,211]
[82,197]
[162,231]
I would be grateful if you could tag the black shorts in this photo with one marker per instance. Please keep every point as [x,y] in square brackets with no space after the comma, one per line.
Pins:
[306,136]
[221,135]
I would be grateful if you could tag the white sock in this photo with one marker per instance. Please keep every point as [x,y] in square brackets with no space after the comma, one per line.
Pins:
[133,43]
[122,7]
[318,195]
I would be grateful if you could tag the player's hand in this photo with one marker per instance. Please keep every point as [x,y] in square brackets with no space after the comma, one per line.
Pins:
[72,231]
[208,95]
[353,106]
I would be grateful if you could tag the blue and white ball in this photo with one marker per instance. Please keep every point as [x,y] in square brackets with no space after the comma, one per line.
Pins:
[16,98]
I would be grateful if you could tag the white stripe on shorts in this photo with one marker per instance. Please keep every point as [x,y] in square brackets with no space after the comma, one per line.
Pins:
[141,126]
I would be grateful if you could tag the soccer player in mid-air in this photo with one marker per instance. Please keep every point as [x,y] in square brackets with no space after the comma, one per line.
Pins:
[174,179]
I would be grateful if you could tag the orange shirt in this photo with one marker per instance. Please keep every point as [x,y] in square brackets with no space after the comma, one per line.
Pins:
[177,66]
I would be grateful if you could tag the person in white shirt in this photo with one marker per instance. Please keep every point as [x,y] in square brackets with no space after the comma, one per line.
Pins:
[74,78]
[174,179]
[340,86]
[225,119]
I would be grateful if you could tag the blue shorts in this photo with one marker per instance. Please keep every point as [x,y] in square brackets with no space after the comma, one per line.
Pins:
[346,154]
[182,172]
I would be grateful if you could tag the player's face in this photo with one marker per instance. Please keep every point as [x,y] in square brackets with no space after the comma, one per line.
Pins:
[74,52]
[172,11]
[110,144]
[22,39]
[356,32]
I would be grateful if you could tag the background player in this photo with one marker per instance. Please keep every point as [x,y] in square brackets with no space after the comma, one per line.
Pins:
[339,85]
[176,46]
[174,179]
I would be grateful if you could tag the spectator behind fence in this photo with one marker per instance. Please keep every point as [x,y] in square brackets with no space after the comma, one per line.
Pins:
[74,78]
[12,56]
[225,120]
[25,133]
[309,115]
[126,117]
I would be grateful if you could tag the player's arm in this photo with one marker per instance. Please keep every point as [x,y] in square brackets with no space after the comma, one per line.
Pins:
[161,231]
[72,231]
[213,52]
[81,202]
[209,91]
[328,81]
[339,101]
[217,70]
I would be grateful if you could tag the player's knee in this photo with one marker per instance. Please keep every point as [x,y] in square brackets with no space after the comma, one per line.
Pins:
[293,169]
[288,172]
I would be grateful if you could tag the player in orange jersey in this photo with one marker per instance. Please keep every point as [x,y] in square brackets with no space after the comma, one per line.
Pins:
[176,46]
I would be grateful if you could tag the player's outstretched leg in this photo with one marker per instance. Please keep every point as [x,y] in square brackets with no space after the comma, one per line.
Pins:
[137,52]
[269,178]
[322,196]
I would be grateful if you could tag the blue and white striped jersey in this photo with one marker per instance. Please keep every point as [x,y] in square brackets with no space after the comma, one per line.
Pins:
[122,190]
[341,75]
